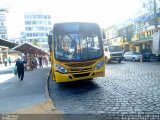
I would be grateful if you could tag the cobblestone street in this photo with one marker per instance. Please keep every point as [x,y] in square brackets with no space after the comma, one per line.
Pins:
[129,87]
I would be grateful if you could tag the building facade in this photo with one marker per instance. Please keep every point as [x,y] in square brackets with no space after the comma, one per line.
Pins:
[111,35]
[3,23]
[121,34]
[136,34]
[126,32]
[145,24]
[37,26]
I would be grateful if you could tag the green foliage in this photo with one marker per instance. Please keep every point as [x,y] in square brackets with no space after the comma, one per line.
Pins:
[36,43]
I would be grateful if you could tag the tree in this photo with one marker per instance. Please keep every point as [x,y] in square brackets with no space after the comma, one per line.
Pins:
[36,43]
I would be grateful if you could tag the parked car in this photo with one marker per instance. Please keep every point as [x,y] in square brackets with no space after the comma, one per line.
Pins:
[148,56]
[133,56]
[113,53]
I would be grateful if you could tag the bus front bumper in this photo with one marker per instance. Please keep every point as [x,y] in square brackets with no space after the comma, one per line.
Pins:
[79,76]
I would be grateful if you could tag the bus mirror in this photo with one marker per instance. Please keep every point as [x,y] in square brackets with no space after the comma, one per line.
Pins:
[50,42]
[49,39]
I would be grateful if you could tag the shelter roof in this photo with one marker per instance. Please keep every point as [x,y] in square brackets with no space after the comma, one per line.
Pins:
[7,43]
[29,48]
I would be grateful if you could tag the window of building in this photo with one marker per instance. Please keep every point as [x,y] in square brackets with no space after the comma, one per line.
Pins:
[3,36]
[49,17]
[45,16]
[4,30]
[152,22]
[142,24]
[2,18]
[147,24]
[46,29]
[28,22]
[39,16]
[28,28]
[26,16]
[49,22]
[33,22]
[27,34]
[2,23]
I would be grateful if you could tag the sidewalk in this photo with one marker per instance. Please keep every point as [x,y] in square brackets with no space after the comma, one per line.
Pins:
[27,96]
[3,67]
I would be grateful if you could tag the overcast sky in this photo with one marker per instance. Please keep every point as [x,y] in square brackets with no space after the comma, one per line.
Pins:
[103,12]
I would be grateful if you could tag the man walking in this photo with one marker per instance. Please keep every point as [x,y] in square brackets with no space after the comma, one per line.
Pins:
[40,62]
[20,69]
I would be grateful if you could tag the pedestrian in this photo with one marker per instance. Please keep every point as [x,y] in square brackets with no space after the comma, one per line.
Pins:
[34,63]
[40,62]
[9,60]
[46,61]
[5,61]
[20,69]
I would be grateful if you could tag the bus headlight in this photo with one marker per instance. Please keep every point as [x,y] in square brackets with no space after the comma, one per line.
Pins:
[61,69]
[99,65]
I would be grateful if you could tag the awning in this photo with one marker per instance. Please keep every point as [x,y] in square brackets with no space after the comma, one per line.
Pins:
[7,43]
[3,47]
[140,41]
[29,48]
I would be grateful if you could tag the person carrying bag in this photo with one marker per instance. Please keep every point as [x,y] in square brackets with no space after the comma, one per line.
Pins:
[15,70]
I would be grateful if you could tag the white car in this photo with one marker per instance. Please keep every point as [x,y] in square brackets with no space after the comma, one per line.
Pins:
[133,56]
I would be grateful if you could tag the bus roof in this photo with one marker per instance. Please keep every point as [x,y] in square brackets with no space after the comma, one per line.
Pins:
[76,27]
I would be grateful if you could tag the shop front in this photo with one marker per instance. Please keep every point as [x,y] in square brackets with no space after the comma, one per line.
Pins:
[138,46]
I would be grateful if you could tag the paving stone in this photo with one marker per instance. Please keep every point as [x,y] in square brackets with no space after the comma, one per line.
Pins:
[129,87]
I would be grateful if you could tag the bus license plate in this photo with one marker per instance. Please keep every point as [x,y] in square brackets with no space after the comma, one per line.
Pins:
[99,73]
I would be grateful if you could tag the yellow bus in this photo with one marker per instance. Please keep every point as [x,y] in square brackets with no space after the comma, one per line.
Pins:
[76,51]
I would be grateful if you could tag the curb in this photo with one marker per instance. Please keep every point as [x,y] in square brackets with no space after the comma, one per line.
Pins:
[50,107]
[46,86]
[49,100]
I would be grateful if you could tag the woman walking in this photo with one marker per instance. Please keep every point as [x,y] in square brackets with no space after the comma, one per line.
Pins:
[20,69]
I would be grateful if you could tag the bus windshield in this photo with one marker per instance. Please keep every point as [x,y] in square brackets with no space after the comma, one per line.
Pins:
[77,46]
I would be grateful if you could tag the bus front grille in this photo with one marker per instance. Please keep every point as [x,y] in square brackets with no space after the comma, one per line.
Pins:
[81,75]
[83,64]
[79,69]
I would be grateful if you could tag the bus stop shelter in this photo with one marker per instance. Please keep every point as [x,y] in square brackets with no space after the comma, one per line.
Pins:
[7,43]
[29,48]
[30,52]
[5,47]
